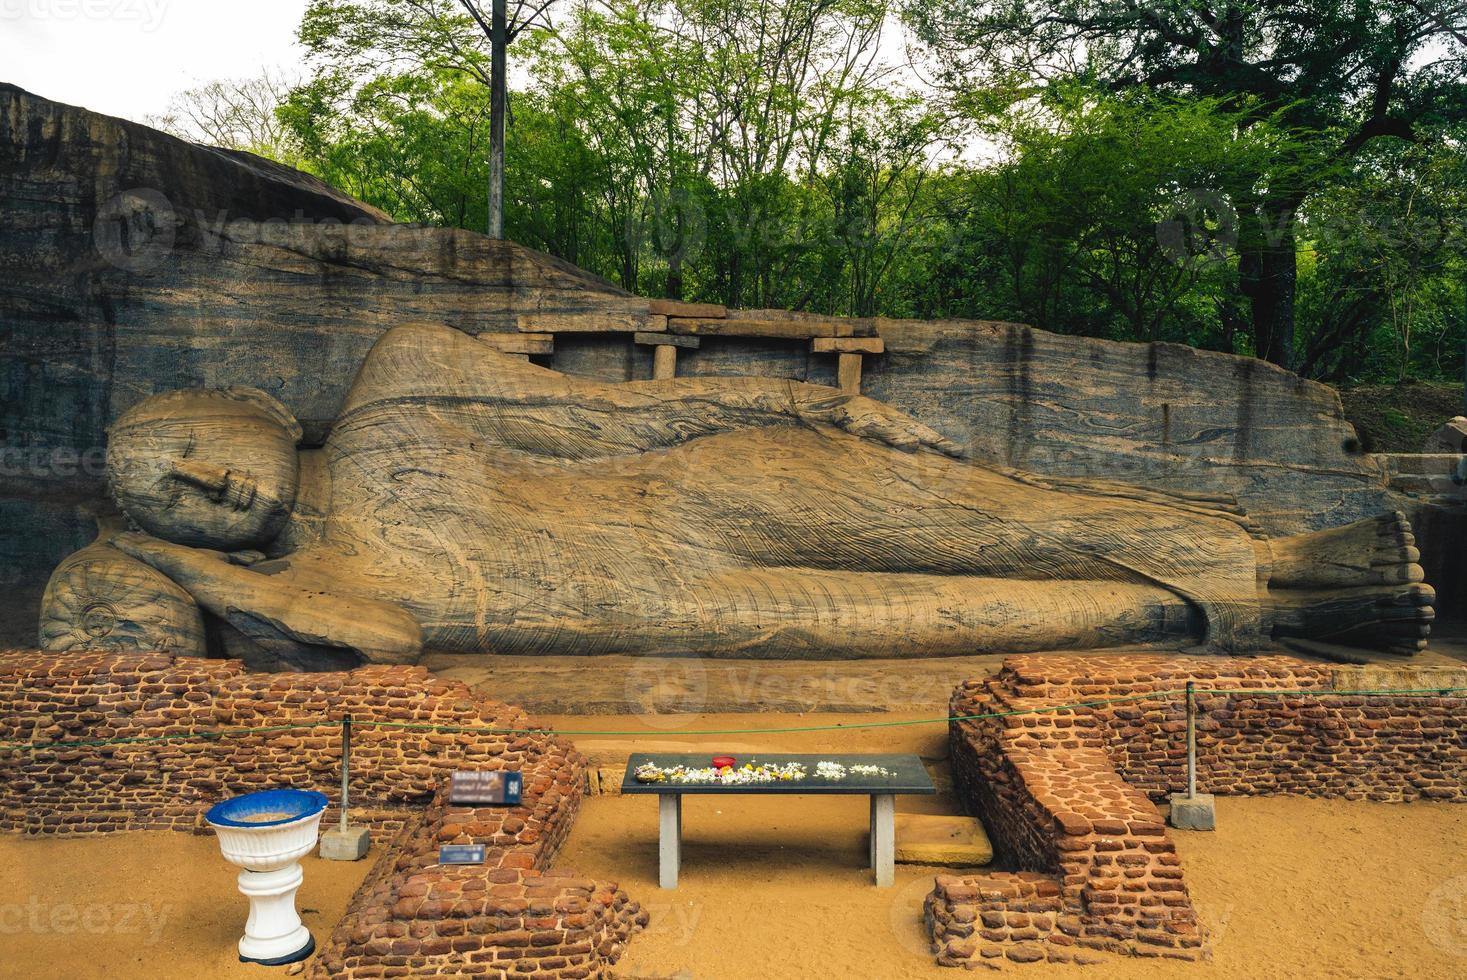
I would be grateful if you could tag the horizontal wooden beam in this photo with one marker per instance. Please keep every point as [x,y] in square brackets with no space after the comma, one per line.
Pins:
[674,307]
[667,339]
[847,345]
[591,321]
[843,326]
[785,329]
[520,343]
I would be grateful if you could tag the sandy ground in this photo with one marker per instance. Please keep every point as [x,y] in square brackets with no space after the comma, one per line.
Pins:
[1288,887]
[776,888]
[896,731]
[146,906]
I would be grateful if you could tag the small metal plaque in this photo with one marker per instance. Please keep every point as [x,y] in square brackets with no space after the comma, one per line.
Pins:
[498,787]
[461,854]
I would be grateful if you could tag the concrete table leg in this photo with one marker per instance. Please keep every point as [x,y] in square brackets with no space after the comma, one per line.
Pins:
[871,837]
[669,838]
[883,838]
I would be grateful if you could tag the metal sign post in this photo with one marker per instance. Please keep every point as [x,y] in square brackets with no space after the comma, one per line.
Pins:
[1191,744]
[345,843]
[1192,810]
[346,762]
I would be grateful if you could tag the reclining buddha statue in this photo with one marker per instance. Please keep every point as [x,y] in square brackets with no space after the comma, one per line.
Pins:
[466,500]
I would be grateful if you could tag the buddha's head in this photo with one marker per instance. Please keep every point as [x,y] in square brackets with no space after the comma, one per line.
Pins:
[207,468]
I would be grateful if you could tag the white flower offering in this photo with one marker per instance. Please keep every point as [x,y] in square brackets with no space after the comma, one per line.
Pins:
[834,770]
[751,773]
[764,772]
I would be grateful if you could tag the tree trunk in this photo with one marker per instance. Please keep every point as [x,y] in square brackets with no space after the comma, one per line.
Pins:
[674,288]
[498,42]
[1268,267]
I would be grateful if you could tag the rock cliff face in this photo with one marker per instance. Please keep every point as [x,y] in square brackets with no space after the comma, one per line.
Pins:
[132,262]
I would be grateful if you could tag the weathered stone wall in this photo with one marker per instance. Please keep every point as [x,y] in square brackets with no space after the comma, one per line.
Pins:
[1067,793]
[135,262]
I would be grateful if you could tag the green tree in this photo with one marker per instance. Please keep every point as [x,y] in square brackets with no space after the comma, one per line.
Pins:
[359,42]
[1346,73]
[717,113]
[1108,216]
[1383,290]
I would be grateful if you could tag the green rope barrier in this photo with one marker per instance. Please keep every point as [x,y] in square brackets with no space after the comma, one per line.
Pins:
[1415,691]
[462,729]
[763,731]
[179,737]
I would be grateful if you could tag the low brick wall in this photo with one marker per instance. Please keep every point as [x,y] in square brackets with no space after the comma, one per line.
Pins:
[512,914]
[168,785]
[414,917]
[1068,794]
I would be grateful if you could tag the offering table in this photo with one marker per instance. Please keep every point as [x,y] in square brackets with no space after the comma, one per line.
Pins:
[882,777]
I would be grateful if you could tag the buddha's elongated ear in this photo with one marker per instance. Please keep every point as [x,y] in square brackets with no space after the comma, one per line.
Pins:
[270,404]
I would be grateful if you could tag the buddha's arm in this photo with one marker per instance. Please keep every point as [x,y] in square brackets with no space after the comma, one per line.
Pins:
[513,404]
[280,607]
[572,418]
[743,402]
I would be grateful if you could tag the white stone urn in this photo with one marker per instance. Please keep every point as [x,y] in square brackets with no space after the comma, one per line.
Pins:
[267,834]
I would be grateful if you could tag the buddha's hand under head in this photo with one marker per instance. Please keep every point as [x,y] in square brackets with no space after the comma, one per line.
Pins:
[871,419]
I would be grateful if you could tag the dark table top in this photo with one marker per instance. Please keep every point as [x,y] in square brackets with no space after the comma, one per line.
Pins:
[908,775]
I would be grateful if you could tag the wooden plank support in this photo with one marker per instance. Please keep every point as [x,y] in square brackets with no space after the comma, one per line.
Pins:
[591,321]
[667,339]
[848,373]
[664,362]
[730,327]
[674,307]
[520,343]
[664,351]
[847,345]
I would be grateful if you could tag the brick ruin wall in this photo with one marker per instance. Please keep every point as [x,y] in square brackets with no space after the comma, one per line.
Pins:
[1068,793]
[464,920]
[168,785]
[414,917]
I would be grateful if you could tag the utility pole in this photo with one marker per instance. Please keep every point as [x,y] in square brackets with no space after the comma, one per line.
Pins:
[498,42]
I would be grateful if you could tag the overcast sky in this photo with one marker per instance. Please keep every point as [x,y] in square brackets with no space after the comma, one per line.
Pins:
[128,57]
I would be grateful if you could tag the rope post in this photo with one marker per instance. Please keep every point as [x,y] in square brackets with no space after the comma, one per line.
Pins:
[345,843]
[1191,743]
[345,766]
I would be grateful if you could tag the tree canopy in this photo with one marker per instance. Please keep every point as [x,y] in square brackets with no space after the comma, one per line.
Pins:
[1282,178]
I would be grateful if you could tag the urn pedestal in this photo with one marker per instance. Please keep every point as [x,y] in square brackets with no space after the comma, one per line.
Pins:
[267,834]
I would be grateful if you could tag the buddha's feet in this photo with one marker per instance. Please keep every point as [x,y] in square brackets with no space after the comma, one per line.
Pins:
[1359,585]
[1390,618]
[1376,551]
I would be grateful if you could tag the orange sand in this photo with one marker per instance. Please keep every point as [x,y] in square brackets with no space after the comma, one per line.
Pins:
[775,888]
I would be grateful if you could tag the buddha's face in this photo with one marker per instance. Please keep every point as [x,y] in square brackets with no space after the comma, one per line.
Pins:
[212,469]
